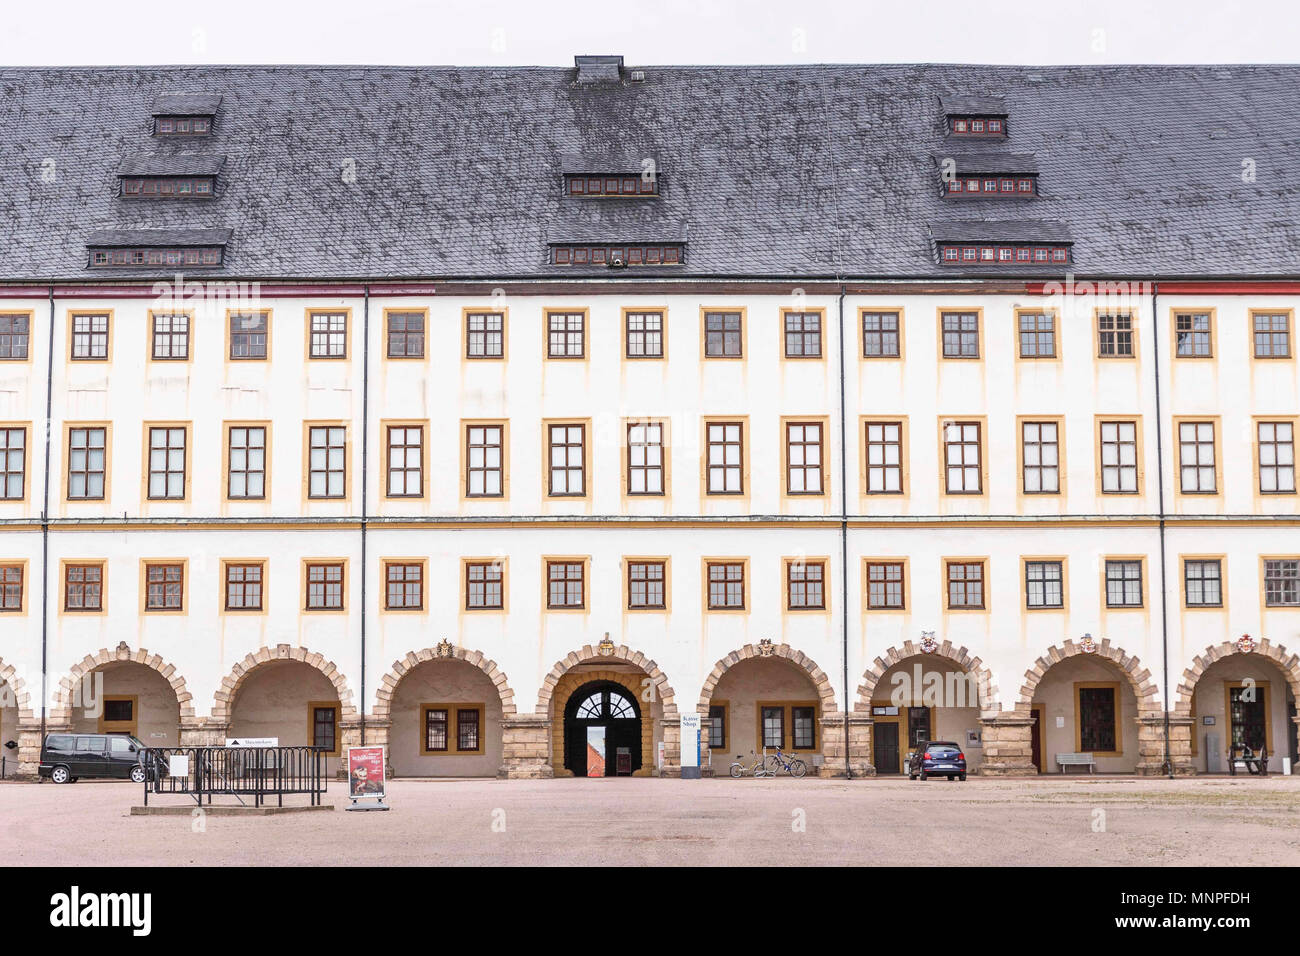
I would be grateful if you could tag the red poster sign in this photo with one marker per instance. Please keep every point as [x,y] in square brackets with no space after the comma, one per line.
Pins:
[366,772]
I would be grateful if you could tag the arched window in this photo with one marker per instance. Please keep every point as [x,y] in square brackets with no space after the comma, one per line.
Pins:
[605,704]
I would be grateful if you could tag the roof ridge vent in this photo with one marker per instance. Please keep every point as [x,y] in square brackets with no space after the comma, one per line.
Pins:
[604,68]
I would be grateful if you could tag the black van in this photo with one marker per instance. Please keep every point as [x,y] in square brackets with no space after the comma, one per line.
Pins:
[65,758]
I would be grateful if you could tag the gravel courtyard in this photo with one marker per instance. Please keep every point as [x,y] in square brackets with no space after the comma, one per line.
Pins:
[1070,822]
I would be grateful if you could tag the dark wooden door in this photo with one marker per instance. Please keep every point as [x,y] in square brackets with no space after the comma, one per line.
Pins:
[885,745]
[1036,740]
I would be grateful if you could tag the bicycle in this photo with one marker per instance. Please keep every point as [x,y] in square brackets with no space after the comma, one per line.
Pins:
[760,768]
[791,765]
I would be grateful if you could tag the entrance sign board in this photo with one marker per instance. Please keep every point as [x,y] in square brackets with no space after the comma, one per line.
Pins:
[690,746]
[366,777]
[252,741]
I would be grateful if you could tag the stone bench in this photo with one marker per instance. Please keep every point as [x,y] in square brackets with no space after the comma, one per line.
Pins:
[1076,760]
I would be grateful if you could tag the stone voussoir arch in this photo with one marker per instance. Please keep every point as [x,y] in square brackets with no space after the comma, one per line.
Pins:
[825,692]
[1138,677]
[960,656]
[18,688]
[413,659]
[230,684]
[667,697]
[65,692]
[1279,655]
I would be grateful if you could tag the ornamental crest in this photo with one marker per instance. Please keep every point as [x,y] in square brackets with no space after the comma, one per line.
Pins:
[1245,644]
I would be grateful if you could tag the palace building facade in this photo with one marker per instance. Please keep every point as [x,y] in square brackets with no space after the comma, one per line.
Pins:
[505,416]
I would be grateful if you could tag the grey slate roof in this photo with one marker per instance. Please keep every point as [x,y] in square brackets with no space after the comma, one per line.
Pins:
[186,104]
[992,163]
[973,105]
[171,164]
[120,238]
[798,171]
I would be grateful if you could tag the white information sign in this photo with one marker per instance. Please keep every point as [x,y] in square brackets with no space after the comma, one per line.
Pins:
[252,741]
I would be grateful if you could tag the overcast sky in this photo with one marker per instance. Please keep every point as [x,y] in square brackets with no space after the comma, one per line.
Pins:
[648,32]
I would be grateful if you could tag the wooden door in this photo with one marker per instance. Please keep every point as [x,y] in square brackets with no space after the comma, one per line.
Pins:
[885,745]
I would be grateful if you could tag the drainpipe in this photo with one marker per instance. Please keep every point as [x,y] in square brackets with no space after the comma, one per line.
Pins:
[365,490]
[844,538]
[45,521]
[1160,485]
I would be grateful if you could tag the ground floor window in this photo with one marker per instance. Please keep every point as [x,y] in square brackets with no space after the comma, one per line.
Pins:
[789,725]
[324,718]
[452,729]
[1098,710]
[717,727]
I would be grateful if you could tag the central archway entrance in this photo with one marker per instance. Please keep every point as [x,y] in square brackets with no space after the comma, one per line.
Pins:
[602,731]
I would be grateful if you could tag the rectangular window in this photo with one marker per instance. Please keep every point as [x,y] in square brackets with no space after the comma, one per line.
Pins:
[406,335]
[324,728]
[248,336]
[1037,335]
[15,336]
[405,586]
[1203,583]
[164,587]
[726,586]
[645,585]
[484,462]
[717,727]
[1123,583]
[962,466]
[11,587]
[1043,584]
[166,463]
[645,335]
[773,719]
[86,462]
[327,462]
[885,586]
[803,335]
[246,476]
[884,458]
[1276,458]
[725,458]
[567,460]
[13,463]
[803,724]
[1097,723]
[324,587]
[803,443]
[1196,458]
[467,729]
[243,587]
[484,582]
[961,335]
[1272,334]
[83,587]
[565,584]
[1192,335]
[722,335]
[171,337]
[435,729]
[805,586]
[1282,582]
[565,334]
[645,458]
[90,338]
[329,335]
[485,334]
[1119,469]
[1115,336]
[880,337]
[965,584]
[405,461]
[1042,460]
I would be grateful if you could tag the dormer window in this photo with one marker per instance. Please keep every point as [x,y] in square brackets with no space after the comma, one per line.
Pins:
[989,175]
[157,248]
[607,185]
[168,187]
[978,126]
[185,114]
[952,254]
[615,254]
[182,125]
